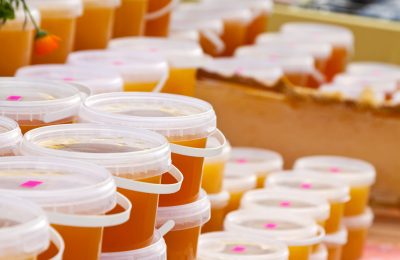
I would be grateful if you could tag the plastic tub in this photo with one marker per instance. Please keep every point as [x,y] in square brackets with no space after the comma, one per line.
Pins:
[184,57]
[95,27]
[218,204]
[97,80]
[137,158]
[183,238]
[129,18]
[320,254]
[357,174]
[186,122]
[335,243]
[59,17]
[158,17]
[235,246]
[337,193]
[298,233]
[10,136]
[38,103]
[74,194]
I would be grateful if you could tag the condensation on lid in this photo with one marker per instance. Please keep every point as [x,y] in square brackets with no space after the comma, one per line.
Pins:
[20,22]
[336,239]
[212,142]
[359,222]
[219,200]
[59,185]
[101,3]
[372,68]
[10,133]
[174,116]
[239,246]
[320,254]
[58,8]
[239,181]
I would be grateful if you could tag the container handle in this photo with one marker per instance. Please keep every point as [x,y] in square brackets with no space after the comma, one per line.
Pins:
[213,37]
[166,227]
[152,188]
[94,220]
[162,81]
[162,11]
[58,242]
[201,152]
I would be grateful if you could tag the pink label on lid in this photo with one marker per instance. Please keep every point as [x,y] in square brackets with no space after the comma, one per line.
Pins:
[334,170]
[238,249]
[270,225]
[118,62]
[306,186]
[31,184]
[239,71]
[285,203]
[153,49]
[68,79]
[14,98]
[241,161]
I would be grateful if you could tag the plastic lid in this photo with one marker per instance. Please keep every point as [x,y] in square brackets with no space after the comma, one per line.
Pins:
[372,69]
[183,21]
[385,83]
[47,101]
[179,53]
[133,66]
[125,152]
[291,229]
[102,3]
[59,185]
[156,251]
[239,246]
[186,216]
[219,200]
[174,116]
[254,160]
[58,8]
[20,22]
[351,171]
[336,239]
[376,95]
[189,35]
[255,5]
[286,202]
[320,254]
[239,181]
[10,133]
[361,221]
[221,158]
[333,191]
[99,80]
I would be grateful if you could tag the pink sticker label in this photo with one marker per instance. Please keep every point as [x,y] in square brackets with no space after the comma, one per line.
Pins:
[238,249]
[31,184]
[153,49]
[270,225]
[239,71]
[118,62]
[306,186]
[241,161]
[285,203]
[334,170]
[68,79]
[14,98]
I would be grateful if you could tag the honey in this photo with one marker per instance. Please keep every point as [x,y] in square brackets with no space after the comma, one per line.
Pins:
[129,18]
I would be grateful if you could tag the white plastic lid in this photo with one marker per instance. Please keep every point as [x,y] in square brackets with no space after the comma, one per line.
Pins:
[174,116]
[372,69]
[188,35]
[291,229]
[333,191]
[136,153]
[336,239]
[351,171]
[183,21]
[257,161]
[186,216]
[24,229]
[99,80]
[239,181]
[58,8]
[359,222]
[320,254]
[10,133]
[255,5]
[20,22]
[101,3]
[47,101]
[59,185]
[239,246]
[133,66]
[219,200]
[376,95]
[265,200]
[179,53]
[213,142]
[385,83]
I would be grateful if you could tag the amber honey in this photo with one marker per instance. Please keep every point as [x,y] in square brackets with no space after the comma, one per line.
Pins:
[129,18]
[216,223]
[213,175]
[257,26]
[160,26]
[134,86]
[182,244]
[359,197]
[26,125]
[181,81]
[299,252]
[234,36]
[337,63]
[354,248]
[332,225]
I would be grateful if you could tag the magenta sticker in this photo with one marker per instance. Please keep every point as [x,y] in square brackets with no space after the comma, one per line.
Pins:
[285,203]
[334,170]
[153,49]
[241,161]
[31,184]
[238,249]
[68,79]
[270,225]
[239,71]
[306,185]
[118,62]
[14,98]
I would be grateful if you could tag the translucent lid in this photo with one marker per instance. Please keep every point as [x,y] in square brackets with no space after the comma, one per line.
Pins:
[254,160]
[183,21]
[48,101]
[255,5]
[334,191]
[219,200]
[10,133]
[320,254]
[375,94]
[20,22]
[239,246]
[186,216]
[125,152]
[101,3]
[179,53]
[361,221]
[351,171]
[223,156]
[99,80]
[386,83]
[24,229]
[174,116]
[286,202]
[59,185]
[239,181]
[336,239]
[189,35]
[58,8]
[372,69]
[133,66]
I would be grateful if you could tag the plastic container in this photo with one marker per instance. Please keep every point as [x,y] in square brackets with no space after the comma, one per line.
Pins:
[337,193]
[184,57]
[235,246]
[186,122]
[218,204]
[320,254]
[38,103]
[158,17]
[97,80]
[183,238]
[137,159]
[16,42]
[372,68]
[95,27]
[357,229]
[59,17]
[376,82]
[299,234]
[335,243]
[139,71]
[249,160]
[129,18]
[75,195]
[287,202]
[357,174]
[10,136]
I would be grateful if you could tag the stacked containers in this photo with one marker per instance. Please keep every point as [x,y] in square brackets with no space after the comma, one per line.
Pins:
[219,202]
[129,18]
[158,17]
[321,253]
[10,136]
[335,243]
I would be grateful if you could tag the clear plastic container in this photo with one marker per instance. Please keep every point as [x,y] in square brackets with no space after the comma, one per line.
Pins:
[10,136]
[235,246]
[184,57]
[357,174]
[137,158]
[75,195]
[335,243]
[337,193]
[38,103]
[218,204]
[376,82]
[300,234]
[320,254]
[59,18]
[189,218]
[372,68]
[129,18]
[98,80]
[249,160]
[158,17]
[95,27]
